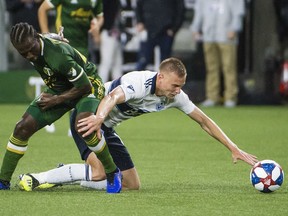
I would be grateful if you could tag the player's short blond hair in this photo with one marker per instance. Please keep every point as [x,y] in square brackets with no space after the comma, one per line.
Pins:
[173,65]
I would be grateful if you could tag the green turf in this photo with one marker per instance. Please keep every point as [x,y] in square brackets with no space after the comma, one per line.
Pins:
[183,171]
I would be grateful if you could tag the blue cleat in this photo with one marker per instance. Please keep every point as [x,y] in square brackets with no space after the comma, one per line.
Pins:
[114,182]
[4,185]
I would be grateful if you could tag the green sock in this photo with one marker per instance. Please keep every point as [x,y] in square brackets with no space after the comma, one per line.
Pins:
[9,164]
[105,157]
[101,150]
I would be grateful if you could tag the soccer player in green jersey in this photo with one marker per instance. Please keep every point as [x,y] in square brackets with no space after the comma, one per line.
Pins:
[72,82]
[77,17]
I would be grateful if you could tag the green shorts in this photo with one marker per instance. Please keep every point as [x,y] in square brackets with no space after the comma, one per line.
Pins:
[84,104]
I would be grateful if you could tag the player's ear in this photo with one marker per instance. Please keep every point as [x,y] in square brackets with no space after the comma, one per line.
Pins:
[160,75]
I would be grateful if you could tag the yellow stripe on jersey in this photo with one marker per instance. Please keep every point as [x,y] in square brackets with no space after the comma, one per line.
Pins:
[81,55]
[16,149]
[58,22]
[100,89]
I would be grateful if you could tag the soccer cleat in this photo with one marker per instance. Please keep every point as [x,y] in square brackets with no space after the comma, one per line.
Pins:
[114,182]
[4,185]
[47,186]
[50,185]
[27,182]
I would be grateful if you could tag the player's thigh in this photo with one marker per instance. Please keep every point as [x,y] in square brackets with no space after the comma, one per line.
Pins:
[46,117]
[87,105]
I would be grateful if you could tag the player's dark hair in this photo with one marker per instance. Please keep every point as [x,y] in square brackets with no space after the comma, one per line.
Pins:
[22,33]
[173,65]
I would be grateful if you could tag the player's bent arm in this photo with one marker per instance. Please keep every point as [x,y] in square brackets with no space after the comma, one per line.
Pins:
[94,122]
[42,16]
[215,131]
[116,96]
[48,100]
[74,93]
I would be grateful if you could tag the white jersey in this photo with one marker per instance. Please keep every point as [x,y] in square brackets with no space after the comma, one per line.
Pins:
[140,98]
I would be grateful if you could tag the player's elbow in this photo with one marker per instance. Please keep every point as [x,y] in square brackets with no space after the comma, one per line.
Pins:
[87,89]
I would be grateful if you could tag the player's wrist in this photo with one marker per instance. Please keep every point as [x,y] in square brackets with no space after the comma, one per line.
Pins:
[100,116]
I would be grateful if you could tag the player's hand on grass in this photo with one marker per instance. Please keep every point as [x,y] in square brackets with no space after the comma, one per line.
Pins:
[238,154]
[89,125]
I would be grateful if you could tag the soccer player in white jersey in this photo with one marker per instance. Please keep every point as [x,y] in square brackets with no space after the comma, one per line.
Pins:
[131,95]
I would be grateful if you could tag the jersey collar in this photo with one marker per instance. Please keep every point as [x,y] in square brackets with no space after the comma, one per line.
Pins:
[42,46]
[153,87]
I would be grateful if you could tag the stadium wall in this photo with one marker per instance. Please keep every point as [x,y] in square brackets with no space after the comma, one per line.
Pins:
[19,86]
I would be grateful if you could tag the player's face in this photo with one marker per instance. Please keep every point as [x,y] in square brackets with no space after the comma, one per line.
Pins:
[169,84]
[29,50]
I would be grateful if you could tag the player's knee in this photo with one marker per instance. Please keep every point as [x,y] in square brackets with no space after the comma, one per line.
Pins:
[131,180]
[24,129]
[131,185]
[135,186]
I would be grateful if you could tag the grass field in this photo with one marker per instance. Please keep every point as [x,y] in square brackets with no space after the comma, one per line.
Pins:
[183,171]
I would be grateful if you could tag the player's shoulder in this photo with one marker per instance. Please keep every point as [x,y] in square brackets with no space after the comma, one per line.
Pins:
[55,47]
[140,82]
[139,76]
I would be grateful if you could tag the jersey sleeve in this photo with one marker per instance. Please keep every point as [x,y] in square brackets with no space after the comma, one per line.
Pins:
[132,87]
[75,73]
[98,9]
[183,103]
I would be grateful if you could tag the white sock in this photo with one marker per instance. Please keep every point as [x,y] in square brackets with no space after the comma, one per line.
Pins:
[98,185]
[65,174]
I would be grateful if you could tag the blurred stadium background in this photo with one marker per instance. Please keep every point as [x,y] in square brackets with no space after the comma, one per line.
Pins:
[259,68]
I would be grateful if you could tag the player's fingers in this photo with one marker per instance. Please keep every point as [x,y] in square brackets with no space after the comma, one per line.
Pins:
[249,160]
[234,160]
[87,133]
[61,29]
[82,120]
[99,135]
[253,156]
[82,128]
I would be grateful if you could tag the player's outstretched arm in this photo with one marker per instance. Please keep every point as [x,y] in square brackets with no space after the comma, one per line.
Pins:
[94,122]
[215,131]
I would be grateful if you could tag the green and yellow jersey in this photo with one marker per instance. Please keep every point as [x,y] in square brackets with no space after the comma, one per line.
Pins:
[75,17]
[62,67]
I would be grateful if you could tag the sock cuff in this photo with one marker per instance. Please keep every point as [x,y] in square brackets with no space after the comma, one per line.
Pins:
[16,149]
[88,173]
[99,147]
[17,141]
[93,141]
